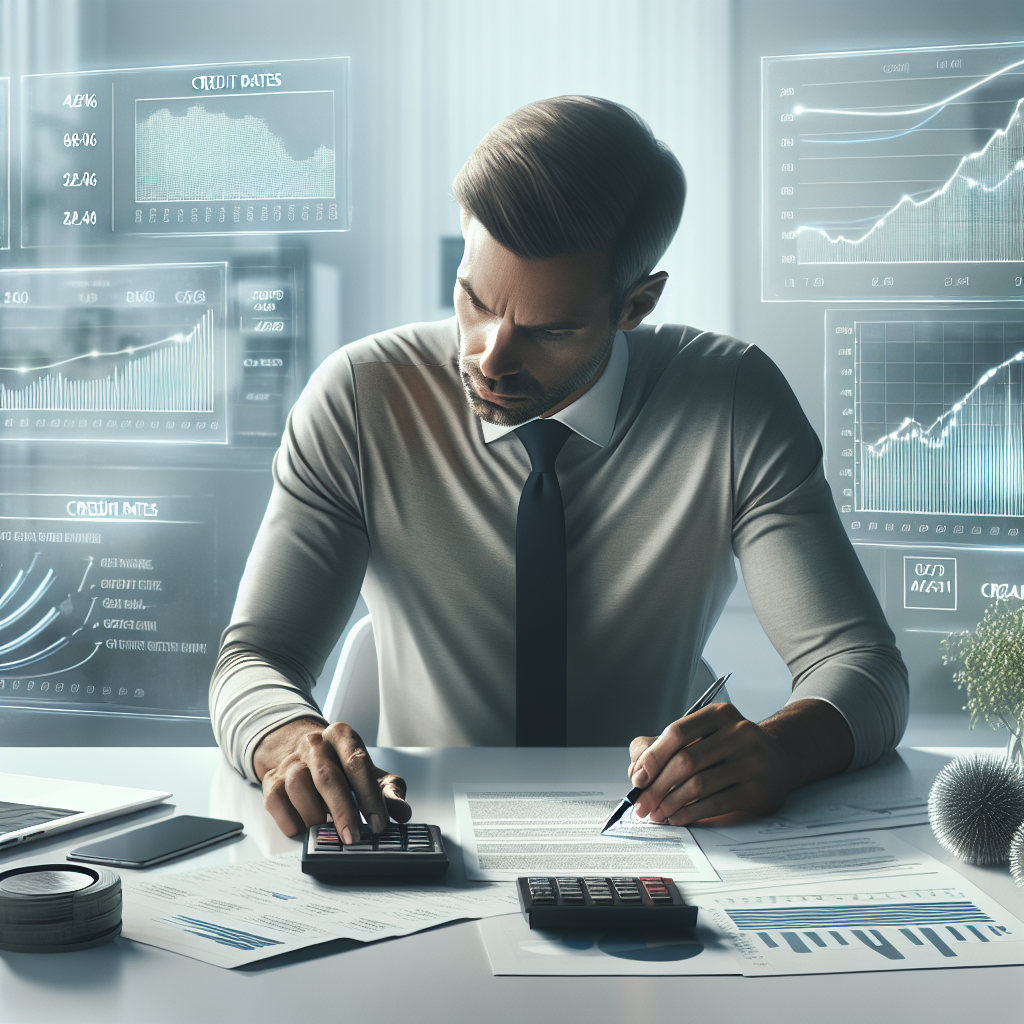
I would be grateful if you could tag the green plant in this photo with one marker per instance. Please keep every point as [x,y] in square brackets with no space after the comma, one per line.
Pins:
[991,660]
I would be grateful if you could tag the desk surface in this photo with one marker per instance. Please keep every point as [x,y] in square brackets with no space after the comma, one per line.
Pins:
[443,974]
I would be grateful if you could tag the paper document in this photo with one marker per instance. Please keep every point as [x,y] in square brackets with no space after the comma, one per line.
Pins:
[934,919]
[886,795]
[555,828]
[780,861]
[513,948]
[239,913]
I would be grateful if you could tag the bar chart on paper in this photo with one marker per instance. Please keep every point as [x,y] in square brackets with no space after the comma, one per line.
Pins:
[926,424]
[894,175]
[870,930]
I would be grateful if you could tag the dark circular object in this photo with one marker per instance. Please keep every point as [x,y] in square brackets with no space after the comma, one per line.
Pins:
[57,908]
[651,948]
[975,806]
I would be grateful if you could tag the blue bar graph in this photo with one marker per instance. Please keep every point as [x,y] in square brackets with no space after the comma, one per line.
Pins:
[223,936]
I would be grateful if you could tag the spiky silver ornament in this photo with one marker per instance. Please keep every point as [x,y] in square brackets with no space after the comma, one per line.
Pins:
[1017,856]
[976,804]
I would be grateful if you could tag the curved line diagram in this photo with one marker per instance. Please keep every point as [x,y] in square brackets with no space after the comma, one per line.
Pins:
[916,110]
[46,652]
[876,138]
[179,338]
[54,612]
[36,597]
[32,632]
[971,182]
[18,581]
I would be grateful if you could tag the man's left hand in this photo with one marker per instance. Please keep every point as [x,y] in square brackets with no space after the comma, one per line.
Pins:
[716,762]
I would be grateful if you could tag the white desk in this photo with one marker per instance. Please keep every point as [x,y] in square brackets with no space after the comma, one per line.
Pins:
[441,975]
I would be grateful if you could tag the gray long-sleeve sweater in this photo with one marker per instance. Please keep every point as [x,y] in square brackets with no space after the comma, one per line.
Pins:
[383,482]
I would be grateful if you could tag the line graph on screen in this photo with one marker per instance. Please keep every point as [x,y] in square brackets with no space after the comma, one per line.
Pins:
[172,374]
[895,174]
[940,417]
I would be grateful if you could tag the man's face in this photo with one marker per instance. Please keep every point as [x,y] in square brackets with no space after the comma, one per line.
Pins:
[532,333]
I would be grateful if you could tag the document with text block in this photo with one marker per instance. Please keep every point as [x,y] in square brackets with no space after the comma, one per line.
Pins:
[555,829]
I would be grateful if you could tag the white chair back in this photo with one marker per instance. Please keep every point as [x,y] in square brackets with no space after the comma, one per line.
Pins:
[354,696]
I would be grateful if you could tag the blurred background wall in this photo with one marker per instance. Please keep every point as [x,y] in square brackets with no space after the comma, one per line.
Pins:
[428,78]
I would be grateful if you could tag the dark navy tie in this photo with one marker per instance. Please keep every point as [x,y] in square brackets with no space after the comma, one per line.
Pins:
[541,593]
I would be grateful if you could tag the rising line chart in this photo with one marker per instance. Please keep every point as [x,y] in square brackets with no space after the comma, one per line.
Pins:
[893,175]
[925,424]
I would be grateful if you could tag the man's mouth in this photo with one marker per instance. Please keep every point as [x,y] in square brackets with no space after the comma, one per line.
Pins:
[503,400]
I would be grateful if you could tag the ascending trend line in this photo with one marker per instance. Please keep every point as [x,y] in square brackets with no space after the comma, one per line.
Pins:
[33,631]
[874,138]
[970,461]
[926,436]
[176,377]
[131,350]
[964,221]
[848,112]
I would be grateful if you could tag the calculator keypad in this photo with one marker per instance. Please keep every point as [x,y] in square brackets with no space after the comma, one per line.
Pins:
[395,838]
[569,891]
[617,901]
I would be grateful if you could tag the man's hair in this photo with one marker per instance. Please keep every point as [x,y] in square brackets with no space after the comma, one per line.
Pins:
[575,174]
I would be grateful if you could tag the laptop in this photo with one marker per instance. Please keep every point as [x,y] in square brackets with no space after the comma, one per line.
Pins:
[31,807]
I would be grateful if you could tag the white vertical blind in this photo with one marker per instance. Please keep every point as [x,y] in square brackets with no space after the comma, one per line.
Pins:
[452,68]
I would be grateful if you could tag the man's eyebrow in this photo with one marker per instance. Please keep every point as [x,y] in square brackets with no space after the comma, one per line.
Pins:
[465,285]
[566,325]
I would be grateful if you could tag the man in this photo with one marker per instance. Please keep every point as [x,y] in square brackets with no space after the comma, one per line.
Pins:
[420,465]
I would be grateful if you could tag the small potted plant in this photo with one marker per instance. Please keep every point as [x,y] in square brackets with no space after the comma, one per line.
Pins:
[991,671]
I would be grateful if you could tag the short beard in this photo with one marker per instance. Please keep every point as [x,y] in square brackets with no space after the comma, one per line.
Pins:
[523,385]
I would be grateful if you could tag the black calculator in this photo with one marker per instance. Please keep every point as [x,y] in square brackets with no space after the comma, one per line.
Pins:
[412,850]
[597,902]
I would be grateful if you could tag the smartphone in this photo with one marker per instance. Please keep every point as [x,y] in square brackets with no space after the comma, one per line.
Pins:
[163,840]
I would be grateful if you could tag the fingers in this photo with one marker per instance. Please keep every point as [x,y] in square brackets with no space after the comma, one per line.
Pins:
[318,772]
[735,798]
[392,788]
[676,754]
[636,748]
[688,764]
[362,774]
[278,806]
[674,737]
[698,788]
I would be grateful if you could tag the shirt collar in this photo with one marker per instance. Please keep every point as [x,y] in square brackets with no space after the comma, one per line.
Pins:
[592,415]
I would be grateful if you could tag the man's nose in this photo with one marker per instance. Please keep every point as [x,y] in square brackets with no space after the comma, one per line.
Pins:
[501,356]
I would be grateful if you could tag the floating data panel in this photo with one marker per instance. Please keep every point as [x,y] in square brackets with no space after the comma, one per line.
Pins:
[106,602]
[894,175]
[191,150]
[114,354]
[5,163]
[925,424]
[269,366]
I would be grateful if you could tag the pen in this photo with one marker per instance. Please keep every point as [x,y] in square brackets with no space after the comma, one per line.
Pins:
[634,794]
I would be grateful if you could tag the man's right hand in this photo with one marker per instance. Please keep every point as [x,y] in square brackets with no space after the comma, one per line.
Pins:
[309,769]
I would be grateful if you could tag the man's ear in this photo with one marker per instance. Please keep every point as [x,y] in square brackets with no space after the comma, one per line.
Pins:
[641,300]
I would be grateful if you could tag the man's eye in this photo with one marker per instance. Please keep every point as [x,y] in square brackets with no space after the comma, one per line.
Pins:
[556,335]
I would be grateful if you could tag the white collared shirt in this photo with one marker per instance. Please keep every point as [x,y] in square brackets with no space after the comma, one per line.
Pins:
[592,415]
